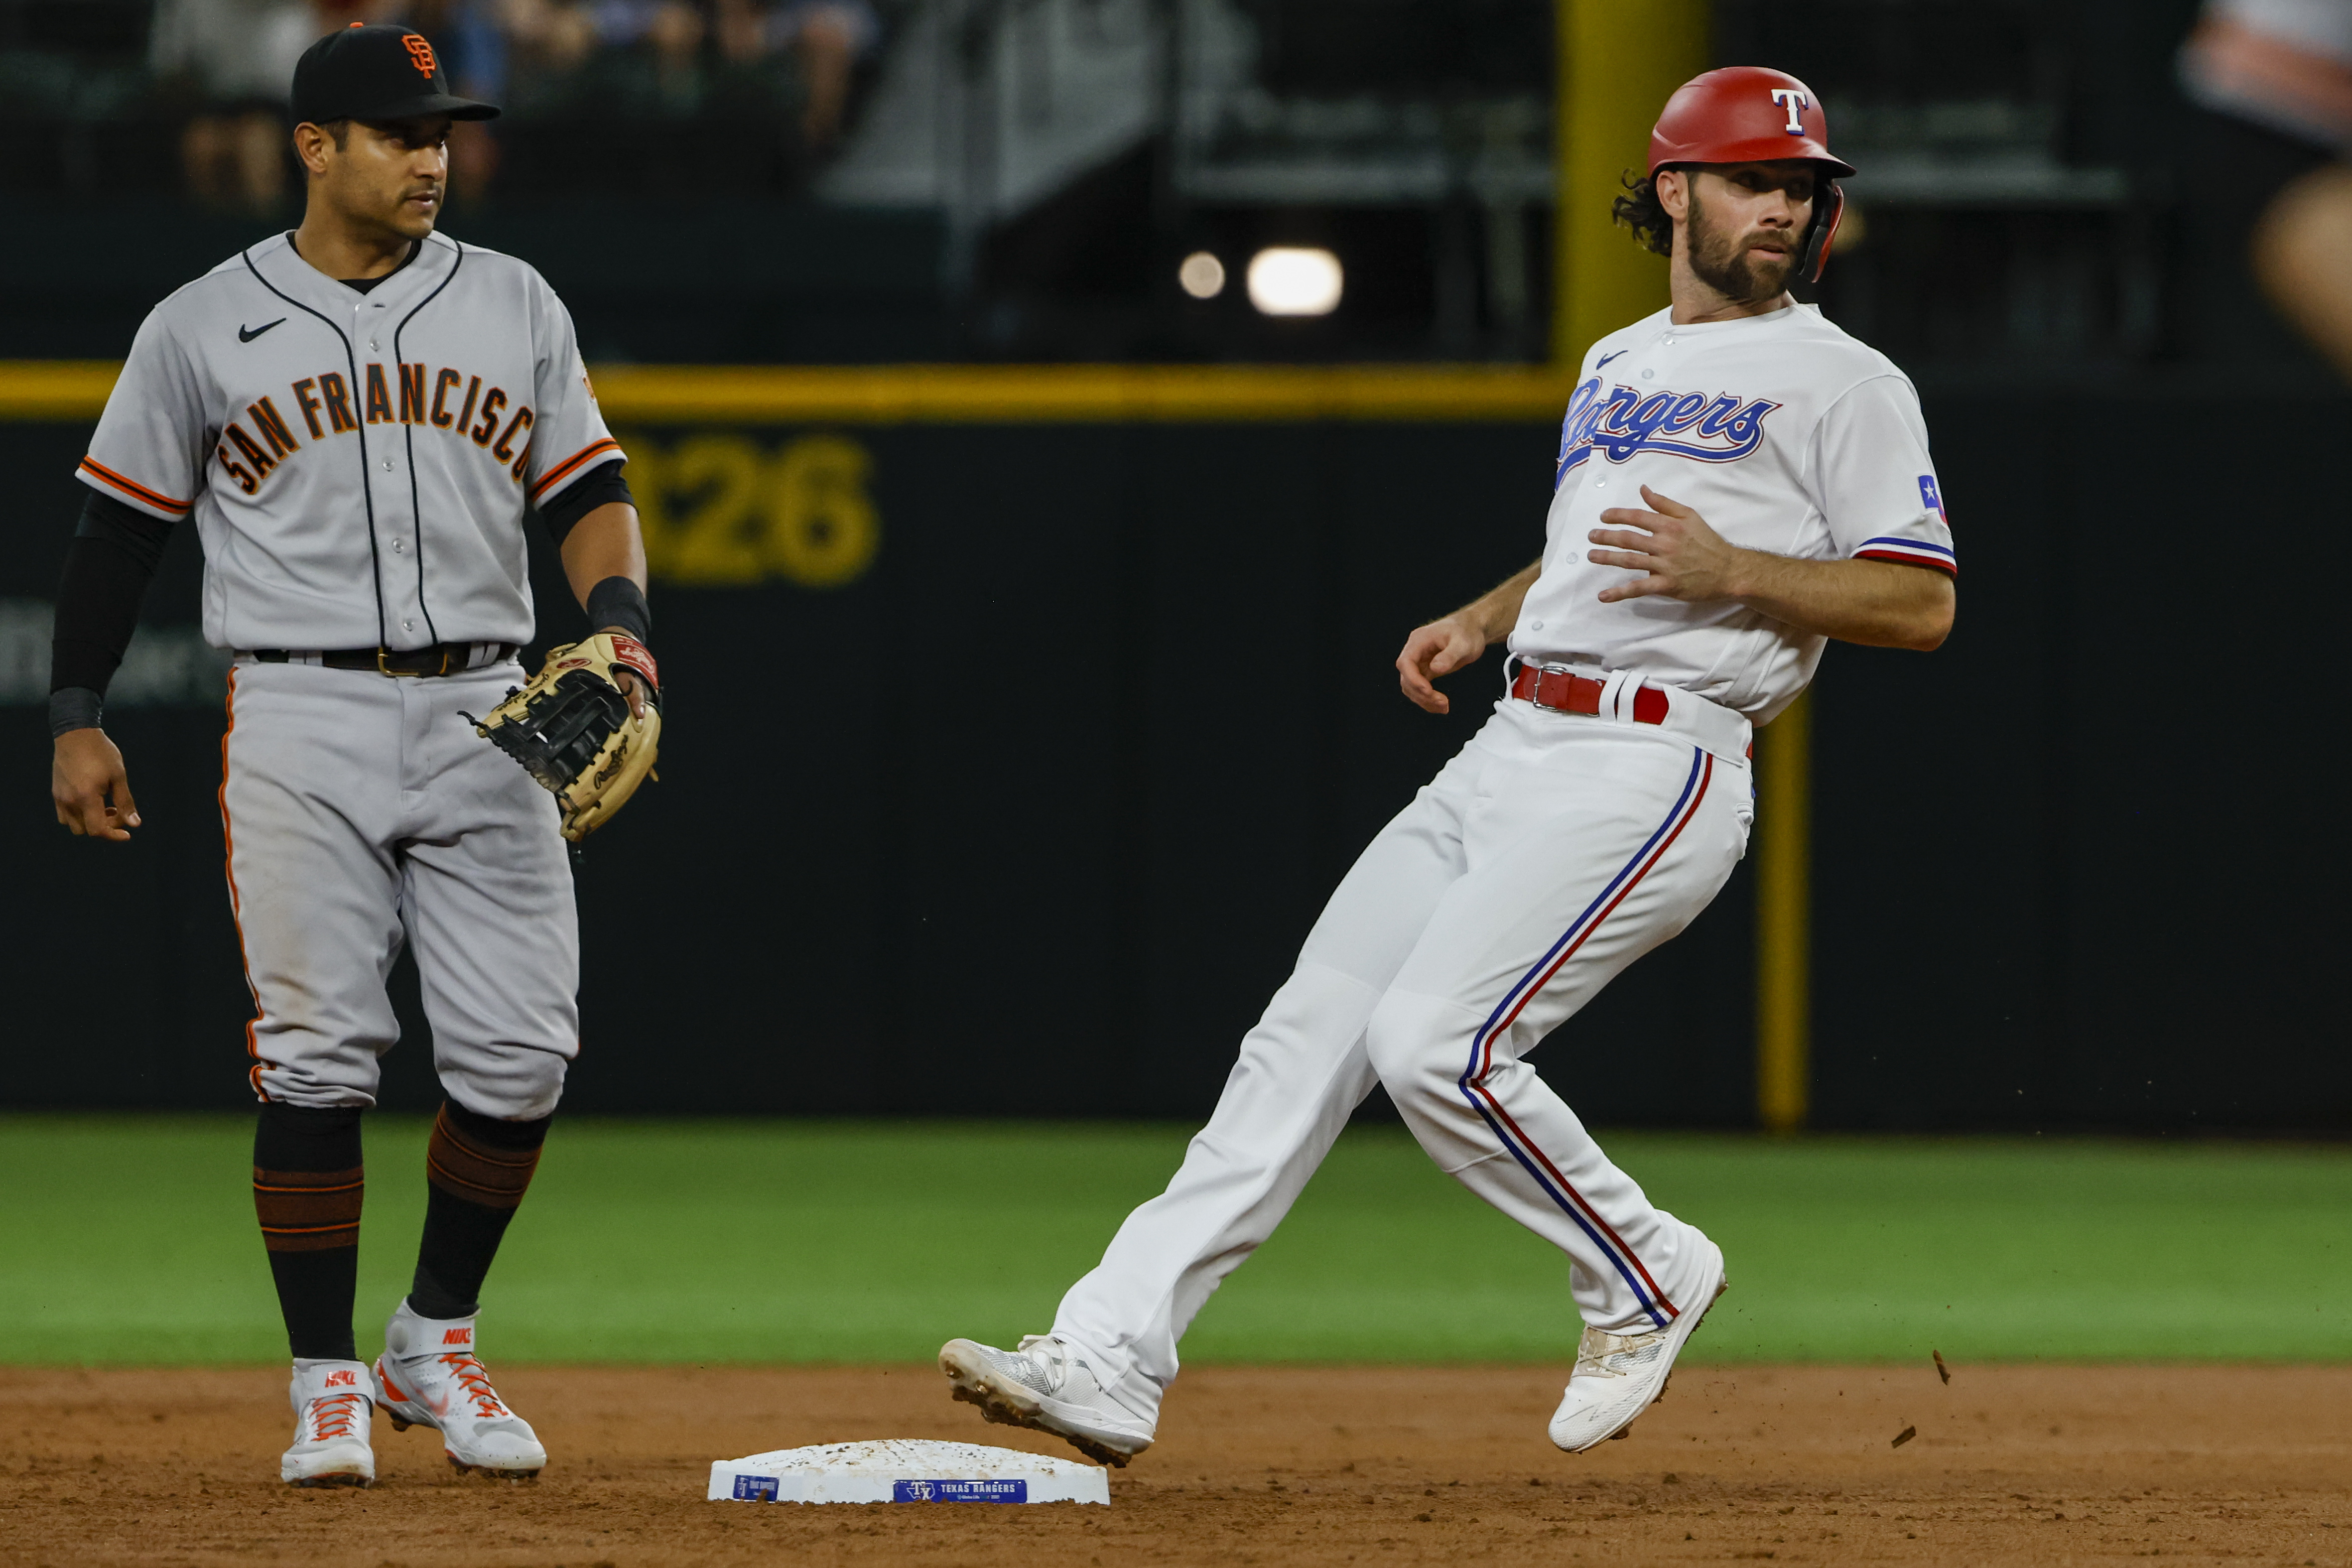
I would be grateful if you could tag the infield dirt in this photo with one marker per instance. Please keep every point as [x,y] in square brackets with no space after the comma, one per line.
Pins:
[1309,1466]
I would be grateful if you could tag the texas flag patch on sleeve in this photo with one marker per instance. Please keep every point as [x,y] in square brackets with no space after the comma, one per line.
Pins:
[1932,500]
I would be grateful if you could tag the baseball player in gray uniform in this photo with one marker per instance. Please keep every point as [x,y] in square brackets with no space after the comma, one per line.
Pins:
[359,416]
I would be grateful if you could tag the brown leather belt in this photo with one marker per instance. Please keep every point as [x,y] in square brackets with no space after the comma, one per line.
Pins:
[441,659]
[1569,692]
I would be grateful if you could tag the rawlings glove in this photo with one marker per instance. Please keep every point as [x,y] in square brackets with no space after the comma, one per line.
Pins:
[572,730]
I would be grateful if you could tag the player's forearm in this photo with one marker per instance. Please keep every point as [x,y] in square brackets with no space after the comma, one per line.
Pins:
[112,558]
[1494,613]
[1874,603]
[604,543]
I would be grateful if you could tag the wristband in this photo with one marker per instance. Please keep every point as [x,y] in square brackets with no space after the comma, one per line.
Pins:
[74,708]
[618,602]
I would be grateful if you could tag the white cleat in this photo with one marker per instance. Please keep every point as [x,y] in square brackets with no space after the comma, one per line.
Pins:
[1048,1386]
[428,1377]
[1618,1376]
[333,1402]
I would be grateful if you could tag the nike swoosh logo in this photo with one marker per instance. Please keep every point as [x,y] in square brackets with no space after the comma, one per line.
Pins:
[1597,364]
[247,334]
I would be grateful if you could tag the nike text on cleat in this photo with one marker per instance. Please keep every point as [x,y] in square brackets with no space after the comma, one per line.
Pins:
[1047,1386]
[1618,1376]
[429,1375]
[333,1400]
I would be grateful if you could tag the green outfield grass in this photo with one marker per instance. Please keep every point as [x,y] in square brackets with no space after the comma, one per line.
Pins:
[128,1241]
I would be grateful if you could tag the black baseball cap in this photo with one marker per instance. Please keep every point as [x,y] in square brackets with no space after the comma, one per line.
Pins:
[375,72]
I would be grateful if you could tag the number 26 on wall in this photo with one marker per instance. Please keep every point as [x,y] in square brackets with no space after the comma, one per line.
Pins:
[720,511]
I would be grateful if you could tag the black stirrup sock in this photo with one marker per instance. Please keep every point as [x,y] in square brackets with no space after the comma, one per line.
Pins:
[478,1169]
[307,1188]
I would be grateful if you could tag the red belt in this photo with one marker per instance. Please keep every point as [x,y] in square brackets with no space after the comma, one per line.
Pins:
[1571,693]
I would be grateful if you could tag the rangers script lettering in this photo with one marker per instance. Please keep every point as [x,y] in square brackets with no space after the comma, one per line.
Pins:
[1725,428]
[1686,585]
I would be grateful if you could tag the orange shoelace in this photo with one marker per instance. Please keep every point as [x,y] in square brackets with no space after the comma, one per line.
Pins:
[332,1416]
[475,1381]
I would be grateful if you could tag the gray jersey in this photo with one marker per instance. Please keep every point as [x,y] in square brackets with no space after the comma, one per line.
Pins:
[358,465]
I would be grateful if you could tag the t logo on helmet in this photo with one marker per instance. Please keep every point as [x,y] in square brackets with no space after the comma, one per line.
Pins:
[420,55]
[1787,97]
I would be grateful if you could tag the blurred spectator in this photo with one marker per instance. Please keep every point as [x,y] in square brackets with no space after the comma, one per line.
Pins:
[826,39]
[238,57]
[2285,66]
[561,36]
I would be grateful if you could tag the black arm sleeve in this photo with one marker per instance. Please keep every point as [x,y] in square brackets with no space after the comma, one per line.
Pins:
[598,487]
[111,560]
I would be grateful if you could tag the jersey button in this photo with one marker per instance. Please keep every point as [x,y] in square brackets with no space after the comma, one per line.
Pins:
[1648,374]
[1535,626]
[399,547]
[372,348]
[408,626]
[387,465]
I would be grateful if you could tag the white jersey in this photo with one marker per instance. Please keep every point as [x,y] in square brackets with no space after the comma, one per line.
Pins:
[1786,435]
[358,465]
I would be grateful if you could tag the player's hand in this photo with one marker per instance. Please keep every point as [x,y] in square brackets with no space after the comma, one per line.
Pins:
[1440,647]
[90,787]
[631,682]
[635,687]
[1682,557]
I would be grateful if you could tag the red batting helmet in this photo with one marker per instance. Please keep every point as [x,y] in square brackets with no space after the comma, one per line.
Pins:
[1752,114]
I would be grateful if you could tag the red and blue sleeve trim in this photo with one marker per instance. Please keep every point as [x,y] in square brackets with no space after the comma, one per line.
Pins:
[1910,553]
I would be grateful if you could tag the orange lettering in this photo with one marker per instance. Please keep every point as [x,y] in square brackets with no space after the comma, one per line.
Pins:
[441,386]
[338,403]
[491,403]
[379,397]
[310,408]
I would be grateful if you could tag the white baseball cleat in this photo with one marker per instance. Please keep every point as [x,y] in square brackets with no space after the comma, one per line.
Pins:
[1048,1387]
[429,1376]
[333,1402]
[1618,1376]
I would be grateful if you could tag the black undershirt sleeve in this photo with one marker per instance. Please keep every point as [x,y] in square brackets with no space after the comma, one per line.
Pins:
[599,486]
[115,550]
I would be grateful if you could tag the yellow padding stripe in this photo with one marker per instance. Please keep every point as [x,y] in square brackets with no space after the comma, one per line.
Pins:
[55,389]
[963,394]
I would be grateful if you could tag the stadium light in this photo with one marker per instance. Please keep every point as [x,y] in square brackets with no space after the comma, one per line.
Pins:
[1201,276]
[1295,280]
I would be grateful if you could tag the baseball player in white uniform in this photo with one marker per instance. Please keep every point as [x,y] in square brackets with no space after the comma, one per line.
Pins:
[1737,481]
[359,416]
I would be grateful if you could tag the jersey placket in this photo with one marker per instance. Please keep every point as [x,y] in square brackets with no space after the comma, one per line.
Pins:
[393,488]
[308,281]
[412,545]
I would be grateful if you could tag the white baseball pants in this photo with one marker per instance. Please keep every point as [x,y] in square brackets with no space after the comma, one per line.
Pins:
[362,812]
[1551,852]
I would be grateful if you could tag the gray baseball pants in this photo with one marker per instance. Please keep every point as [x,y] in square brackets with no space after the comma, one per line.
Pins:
[363,812]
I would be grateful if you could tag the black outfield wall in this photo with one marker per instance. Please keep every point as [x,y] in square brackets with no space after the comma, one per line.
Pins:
[1007,766]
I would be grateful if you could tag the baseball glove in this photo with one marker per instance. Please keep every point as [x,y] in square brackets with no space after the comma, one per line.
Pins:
[572,730]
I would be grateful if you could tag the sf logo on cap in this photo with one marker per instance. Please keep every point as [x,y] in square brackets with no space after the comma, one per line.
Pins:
[1787,97]
[420,55]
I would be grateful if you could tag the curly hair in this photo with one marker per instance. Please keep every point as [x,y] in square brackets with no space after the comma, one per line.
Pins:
[1640,210]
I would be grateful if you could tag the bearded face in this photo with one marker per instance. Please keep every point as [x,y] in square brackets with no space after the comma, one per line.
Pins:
[1743,264]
